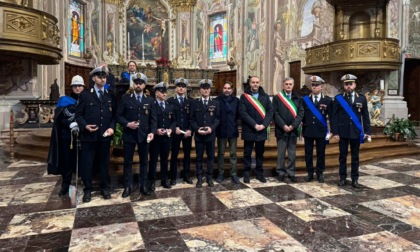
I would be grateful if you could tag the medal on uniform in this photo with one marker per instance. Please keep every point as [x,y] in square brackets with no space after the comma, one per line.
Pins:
[211,110]
[359,106]
[146,108]
[322,107]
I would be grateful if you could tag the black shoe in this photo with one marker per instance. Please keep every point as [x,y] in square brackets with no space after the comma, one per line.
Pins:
[280,178]
[87,196]
[320,177]
[309,178]
[165,184]
[126,192]
[246,179]
[355,184]
[342,182]
[144,191]
[63,191]
[188,181]
[199,183]
[173,182]
[261,179]
[152,186]
[235,179]
[220,178]
[293,179]
[106,194]
[210,182]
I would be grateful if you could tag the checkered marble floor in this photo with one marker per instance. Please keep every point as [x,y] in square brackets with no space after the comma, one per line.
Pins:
[382,215]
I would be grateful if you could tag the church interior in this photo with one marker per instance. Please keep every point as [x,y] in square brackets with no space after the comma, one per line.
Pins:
[43,44]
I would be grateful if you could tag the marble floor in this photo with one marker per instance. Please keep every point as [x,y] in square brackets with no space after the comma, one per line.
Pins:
[382,215]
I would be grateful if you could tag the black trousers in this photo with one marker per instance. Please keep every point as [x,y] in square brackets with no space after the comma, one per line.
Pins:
[87,155]
[354,148]
[259,156]
[199,148]
[159,147]
[142,151]
[320,154]
[67,161]
[186,162]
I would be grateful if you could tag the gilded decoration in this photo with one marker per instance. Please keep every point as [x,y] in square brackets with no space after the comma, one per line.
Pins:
[368,49]
[182,5]
[21,23]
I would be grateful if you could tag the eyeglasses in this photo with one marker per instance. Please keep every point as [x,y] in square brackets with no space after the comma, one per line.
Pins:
[315,84]
[348,83]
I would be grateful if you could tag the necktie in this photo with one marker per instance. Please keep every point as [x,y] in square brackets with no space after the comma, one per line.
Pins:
[288,96]
[205,104]
[101,95]
[181,101]
[316,99]
[162,105]
[139,99]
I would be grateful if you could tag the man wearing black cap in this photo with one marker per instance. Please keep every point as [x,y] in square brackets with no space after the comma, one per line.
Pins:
[182,131]
[95,115]
[205,116]
[351,125]
[317,108]
[161,146]
[137,115]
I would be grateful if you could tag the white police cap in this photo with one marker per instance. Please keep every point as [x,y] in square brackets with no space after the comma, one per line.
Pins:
[100,70]
[139,77]
[205,83]
[181,81]
[349,78]
[317,79]
[77,80]
[161,87]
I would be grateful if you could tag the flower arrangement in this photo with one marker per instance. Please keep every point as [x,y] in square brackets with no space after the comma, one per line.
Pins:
[400,126]
[163,62]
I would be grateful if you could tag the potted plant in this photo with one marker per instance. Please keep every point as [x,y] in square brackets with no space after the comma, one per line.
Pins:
[397,127]
[116,142]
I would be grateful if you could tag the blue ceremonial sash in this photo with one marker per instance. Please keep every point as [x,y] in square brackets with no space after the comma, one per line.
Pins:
[352,115]
[65,101]
[316,113]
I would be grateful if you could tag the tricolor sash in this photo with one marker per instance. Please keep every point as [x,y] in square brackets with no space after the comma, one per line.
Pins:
[292,108]
[259,107]
[316,113]
[352,115]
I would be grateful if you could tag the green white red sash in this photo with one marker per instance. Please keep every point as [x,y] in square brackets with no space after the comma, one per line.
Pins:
[288,102]
[256,104]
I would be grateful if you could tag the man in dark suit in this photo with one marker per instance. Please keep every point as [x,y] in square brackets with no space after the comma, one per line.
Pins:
[351,125]
[161,146]
[288,114]
[95,115]
[256,112]
[182,132]
[127,76]
[205,116]
[317,107]
[137,115]
[227,132]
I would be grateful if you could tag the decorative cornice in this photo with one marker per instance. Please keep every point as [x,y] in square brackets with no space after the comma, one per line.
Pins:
[182,5]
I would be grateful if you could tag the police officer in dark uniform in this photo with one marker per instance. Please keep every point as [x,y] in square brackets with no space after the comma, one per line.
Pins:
[62,154]
[137,115]
[351,125]
[205,116]
[182,131]
[317,107]
[95,115]
[161,146]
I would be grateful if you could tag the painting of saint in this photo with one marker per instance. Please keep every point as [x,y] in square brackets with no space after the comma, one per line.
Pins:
[218,38]
[75,28]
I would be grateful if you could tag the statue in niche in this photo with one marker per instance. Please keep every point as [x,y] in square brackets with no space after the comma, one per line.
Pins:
[55,93]
[376,102]
[279,56]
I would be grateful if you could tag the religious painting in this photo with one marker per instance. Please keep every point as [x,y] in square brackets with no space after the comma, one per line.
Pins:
[110,55]
[218,38]
[76,28]
[146,30]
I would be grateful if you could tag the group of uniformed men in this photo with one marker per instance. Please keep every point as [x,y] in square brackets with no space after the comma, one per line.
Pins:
[159,126]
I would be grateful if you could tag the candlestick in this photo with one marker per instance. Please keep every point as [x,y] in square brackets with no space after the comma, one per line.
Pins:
[142,50]
[382,84]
